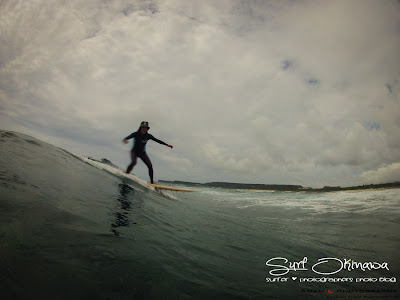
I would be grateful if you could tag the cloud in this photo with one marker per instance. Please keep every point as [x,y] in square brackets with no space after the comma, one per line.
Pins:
[390,173]
[245,90]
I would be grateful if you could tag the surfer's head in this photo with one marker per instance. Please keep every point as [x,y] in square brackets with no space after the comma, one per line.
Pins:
[145,124]
[144,127]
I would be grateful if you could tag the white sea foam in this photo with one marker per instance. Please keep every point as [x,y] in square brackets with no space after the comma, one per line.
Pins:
[317,203]
[116,171]
[361,202]
[121,173]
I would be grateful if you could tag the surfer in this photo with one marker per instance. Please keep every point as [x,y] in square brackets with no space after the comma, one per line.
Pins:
[141,136]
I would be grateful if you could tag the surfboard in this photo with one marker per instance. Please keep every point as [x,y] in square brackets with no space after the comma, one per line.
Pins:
[163,187]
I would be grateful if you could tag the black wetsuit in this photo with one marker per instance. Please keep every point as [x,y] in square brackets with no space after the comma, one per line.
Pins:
[140,141]
[139,150]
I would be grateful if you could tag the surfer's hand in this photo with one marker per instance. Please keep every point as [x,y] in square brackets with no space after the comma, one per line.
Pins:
[125,141]
[170,146]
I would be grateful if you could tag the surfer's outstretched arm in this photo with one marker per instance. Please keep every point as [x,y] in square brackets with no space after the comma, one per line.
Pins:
[160,142]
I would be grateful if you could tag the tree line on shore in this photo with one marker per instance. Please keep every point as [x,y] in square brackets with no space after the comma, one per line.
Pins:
[283,187]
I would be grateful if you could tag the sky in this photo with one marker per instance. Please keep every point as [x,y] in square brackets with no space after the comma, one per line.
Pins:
[274,92]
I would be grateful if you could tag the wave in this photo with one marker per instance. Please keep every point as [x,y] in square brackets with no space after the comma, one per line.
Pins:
[74,227]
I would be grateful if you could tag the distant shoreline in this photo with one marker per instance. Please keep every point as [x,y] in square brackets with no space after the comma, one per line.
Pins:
[326,191]
[274,187]
[287,188]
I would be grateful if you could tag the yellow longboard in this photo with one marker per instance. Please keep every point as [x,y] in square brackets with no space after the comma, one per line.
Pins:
[163,187]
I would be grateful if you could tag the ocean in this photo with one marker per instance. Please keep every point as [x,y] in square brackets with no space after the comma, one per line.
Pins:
[75,228]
